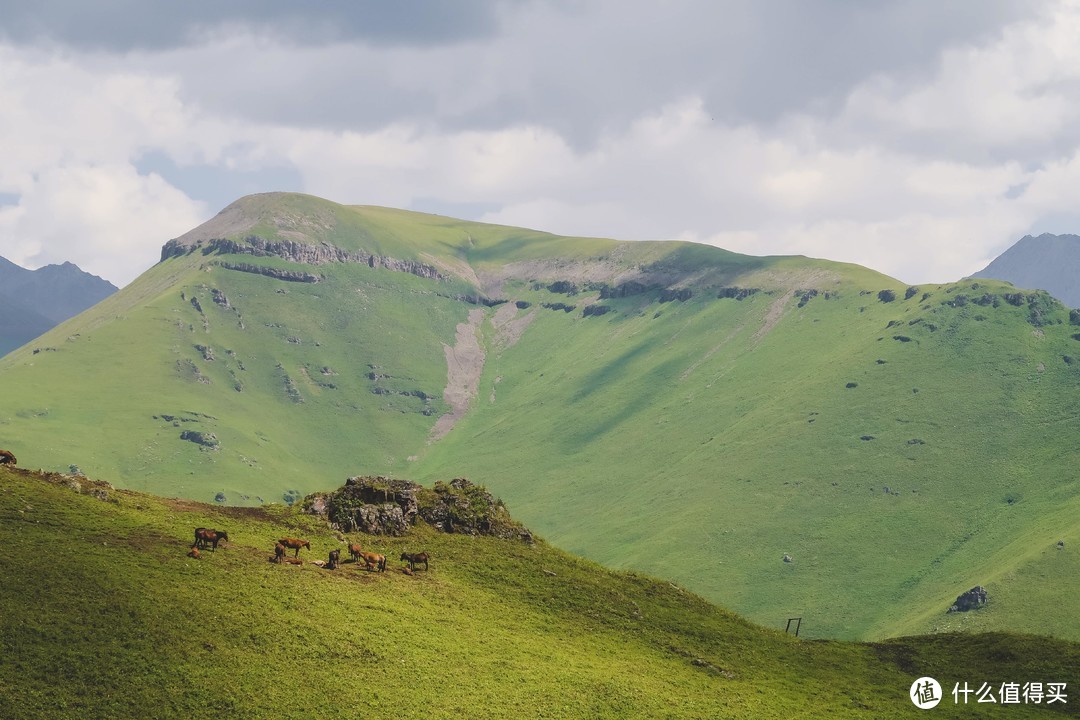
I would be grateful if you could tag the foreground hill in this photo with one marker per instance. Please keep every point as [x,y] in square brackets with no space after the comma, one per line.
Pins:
[789,437]
[32,301]
[1049,262]
[105,617]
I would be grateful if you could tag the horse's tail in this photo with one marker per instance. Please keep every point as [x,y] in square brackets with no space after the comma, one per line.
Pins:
[382,564]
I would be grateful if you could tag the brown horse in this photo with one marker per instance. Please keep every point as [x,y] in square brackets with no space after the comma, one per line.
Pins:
[6,457]
[355,551]
[193,552]
[295,544]
[374,561]
[279,553]
[335,558]
[211,536]
[416,558]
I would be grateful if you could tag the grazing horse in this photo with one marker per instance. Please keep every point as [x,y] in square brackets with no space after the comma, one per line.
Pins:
[355,551]
[335,558]
[416,558]
[6,457]
[208,535]
[295,544]
[279,553]
[374,561]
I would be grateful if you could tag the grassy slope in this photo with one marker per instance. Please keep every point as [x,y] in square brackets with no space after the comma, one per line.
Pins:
[679,444]
[495,629]
[669,437]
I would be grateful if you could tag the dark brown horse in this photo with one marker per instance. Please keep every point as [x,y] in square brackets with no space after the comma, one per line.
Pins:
[415,559]
[295,544]
[279,553]
[6,457]
[211,536]
[335,558]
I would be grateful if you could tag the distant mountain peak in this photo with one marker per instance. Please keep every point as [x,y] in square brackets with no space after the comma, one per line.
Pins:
[1046,262]
[33,301]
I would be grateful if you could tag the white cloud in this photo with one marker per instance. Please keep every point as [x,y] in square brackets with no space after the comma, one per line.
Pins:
[108,220]
[924,175]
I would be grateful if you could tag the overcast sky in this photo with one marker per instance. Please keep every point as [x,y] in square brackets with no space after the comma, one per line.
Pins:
[917,138]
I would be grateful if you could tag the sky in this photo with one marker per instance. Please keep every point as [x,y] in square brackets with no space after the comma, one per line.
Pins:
[920,139]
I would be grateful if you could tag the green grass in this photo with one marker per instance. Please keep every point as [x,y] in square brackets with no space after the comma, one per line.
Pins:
[699,441]
[105,617]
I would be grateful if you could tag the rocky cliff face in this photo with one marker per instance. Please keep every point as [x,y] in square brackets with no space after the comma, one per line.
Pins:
[297,252]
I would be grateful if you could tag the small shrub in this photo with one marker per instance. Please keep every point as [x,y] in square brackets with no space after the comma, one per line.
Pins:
[852,385]
[563,287]
[1014,299]
[958,302]
[680,294]
[901,338]
[808,294]
[910,292]
[219,498]
[886,296]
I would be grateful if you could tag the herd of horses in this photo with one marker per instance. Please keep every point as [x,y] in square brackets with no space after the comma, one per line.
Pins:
[210,537]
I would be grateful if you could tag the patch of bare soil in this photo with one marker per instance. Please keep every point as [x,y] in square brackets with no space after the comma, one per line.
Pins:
[464,363]
[776,311]
[508,326]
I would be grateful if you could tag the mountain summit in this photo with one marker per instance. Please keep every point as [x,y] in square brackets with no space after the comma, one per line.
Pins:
[787,436]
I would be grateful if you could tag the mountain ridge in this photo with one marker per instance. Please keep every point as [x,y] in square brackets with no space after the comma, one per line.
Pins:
[668,407]
[33,301]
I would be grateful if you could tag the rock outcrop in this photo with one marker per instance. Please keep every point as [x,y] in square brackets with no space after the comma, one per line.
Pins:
[297,252]
[973,599]
[385,506]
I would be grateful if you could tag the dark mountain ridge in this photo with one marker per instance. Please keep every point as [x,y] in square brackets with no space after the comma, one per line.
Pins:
[1047,262]
[33,301]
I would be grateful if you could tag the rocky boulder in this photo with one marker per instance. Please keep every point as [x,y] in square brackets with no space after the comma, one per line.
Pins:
[973,599]
[385,506]
[372,505]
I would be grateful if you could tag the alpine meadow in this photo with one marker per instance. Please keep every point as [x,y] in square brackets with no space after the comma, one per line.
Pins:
[784,437]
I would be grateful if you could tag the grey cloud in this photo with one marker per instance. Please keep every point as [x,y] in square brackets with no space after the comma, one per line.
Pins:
[578,67]
[124,25]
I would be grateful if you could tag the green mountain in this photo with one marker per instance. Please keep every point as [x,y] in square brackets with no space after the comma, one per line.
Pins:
[786,436]
[105,616]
